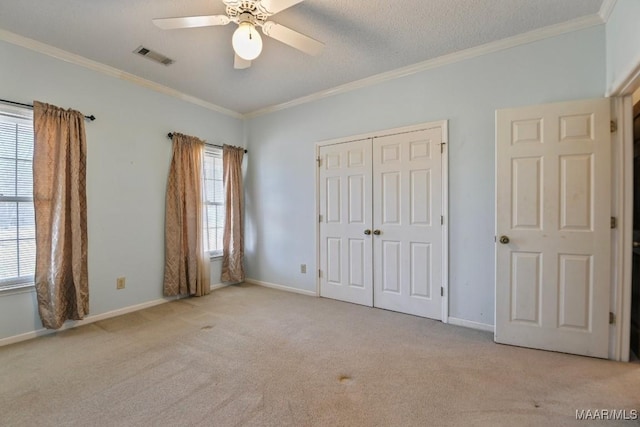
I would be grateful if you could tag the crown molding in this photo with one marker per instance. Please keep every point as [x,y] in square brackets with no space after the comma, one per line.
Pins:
[496,46]
[72,58]
[606,10]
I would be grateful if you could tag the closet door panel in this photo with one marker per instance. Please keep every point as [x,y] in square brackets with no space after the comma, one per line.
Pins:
[407,241]
[345,191]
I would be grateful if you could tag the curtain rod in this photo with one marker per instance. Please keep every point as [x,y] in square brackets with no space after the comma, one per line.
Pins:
[6,101]
[170,136]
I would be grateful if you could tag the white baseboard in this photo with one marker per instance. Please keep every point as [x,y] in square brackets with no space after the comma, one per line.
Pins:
[470,324]
[280,287]
[220,286]
[89,319]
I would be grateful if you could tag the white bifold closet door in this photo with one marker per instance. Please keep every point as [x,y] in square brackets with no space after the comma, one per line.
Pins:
[381,241]
[345,205]
[407,183]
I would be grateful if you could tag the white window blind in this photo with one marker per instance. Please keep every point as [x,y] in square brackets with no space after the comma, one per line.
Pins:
[214,200]
[17,225]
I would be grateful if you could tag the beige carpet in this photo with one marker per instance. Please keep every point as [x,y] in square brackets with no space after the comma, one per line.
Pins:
[247,355]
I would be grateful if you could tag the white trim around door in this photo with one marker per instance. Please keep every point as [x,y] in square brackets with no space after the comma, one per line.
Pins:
[622,208]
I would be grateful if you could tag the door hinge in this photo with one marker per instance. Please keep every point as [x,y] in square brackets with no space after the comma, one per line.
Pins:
[614,126]
[320,218]
[320,274]
[319,160]
[441,291]
[442,144]
[612,318]
[441,219]
[614,222]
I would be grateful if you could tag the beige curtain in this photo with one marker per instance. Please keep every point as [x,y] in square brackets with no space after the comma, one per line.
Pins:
[233,237]
[60,202]
[186,268]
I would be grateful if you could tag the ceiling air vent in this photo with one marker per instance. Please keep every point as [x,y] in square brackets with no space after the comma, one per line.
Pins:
[154,56]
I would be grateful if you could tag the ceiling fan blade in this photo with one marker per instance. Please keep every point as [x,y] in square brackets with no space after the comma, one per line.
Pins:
[241,64]
[274,6]
[191,21]
[293,38]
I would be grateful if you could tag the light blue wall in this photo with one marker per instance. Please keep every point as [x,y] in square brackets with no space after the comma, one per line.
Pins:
[128,162]
[623,41]
[280,184]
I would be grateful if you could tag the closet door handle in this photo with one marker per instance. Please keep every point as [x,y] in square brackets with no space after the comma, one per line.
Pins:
[376,232]
[367,232]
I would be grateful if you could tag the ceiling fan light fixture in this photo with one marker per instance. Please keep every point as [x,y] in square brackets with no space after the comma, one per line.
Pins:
[246,41]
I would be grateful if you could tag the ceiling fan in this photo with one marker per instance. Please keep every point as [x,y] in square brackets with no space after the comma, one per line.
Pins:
[249,14]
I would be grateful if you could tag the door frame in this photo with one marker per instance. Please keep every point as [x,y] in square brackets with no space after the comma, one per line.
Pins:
[443,125]
[622,208]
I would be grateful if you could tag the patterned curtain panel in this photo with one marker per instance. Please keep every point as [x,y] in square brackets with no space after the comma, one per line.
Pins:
[186,268]
[60,203]
[233,237]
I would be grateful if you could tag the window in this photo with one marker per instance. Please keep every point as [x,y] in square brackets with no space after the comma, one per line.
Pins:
[214,200]
[17,224]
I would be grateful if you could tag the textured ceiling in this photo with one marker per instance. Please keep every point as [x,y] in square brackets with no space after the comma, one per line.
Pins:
[362,38]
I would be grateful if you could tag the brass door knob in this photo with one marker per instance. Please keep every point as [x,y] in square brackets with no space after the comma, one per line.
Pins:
[367,232]
[376,232]
[504,240]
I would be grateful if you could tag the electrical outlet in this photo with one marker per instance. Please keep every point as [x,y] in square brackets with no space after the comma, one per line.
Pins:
[303,268]
[120,283]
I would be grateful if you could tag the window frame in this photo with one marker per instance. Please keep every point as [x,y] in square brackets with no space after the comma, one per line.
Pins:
[216,152]
[20,116]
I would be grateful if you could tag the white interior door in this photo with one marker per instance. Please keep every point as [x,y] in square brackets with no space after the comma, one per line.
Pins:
[407,187]
[553,227]
[345,209]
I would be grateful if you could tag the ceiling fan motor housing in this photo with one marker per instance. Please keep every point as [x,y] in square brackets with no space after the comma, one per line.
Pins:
[247,17]
[246,11]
